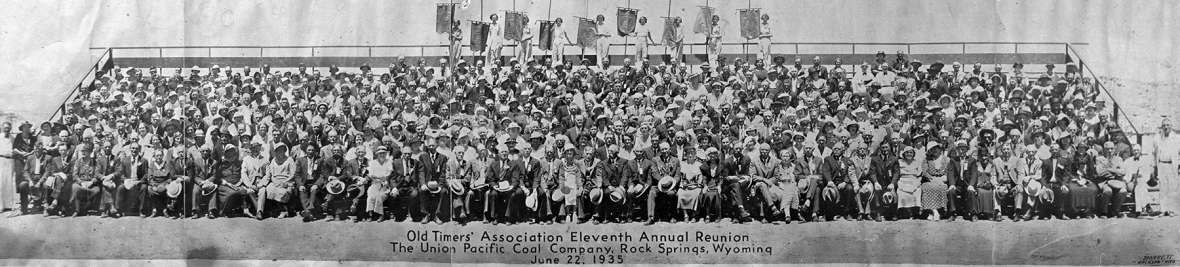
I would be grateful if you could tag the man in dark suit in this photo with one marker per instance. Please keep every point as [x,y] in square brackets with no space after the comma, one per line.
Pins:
[406,176]
[134,171]
[1056,171]
[617,172]
[503,169]
[733,194]
[232,193]
[435,201]
[834,173]
[333,166]
[958,173]
[309,185]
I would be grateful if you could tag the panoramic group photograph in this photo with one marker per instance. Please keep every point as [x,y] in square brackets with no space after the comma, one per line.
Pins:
[574,132]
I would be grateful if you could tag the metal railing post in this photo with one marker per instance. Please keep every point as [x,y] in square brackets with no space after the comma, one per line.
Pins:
[1116,112]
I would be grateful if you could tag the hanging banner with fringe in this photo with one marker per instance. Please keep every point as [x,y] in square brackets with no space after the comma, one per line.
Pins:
[479,35]
[626,19]
[443,17]
[704,21]
[586,32]
[749,21]
[513,25]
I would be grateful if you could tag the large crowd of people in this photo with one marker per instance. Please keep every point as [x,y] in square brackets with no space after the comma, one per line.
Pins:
[533,140]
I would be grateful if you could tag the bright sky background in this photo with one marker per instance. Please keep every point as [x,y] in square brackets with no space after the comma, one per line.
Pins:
[45,42]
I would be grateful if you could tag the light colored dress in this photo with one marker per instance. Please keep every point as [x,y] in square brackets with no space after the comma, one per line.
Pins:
[378,185]
[690,188]
[908,190]
[280,177]
[8,194]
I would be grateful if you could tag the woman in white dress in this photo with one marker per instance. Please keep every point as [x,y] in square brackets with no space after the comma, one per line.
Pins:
[643,41]
[690,188]
[7,176]
[764,39]
[908,182]
[379,170]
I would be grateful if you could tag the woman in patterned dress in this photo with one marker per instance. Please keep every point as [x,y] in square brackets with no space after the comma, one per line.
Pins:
[934,186]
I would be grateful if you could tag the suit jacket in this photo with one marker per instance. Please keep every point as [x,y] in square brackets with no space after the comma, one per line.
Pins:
[956,175]
[834,170]
[127,166]
[767,169]
[646,172]
[327,167]
[433,167]
[739,165]
[1055,170]
[531,170]
[406,172]
[503,170]
[616,173]
[885,169]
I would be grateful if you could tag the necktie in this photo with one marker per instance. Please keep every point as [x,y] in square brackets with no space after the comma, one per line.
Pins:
[1053,172]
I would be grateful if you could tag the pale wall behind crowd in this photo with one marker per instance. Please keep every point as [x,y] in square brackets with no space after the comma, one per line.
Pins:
[46,42]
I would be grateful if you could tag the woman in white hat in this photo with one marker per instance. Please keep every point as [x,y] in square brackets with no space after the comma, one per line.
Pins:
[908,183]
[379,171]
[691,185]
[934,186]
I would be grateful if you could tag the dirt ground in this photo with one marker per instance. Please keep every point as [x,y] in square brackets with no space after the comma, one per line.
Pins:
[1124,241]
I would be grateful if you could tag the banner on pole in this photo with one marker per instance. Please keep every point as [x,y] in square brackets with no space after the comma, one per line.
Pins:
[443,16]
[586,32]
[626,19]
[479,35]
[670,31]
[513,25]
[546,35]
[749,21]
[704,21]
